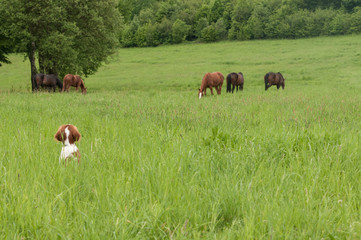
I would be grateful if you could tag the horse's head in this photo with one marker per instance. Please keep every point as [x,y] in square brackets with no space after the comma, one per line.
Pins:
[83,91]
[219,90]
[200,93]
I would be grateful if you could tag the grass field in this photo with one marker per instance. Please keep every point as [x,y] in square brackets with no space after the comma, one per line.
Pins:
[157,163]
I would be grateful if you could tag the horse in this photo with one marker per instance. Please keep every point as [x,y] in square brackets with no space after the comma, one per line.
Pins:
[210,80]
[272,78]
[235,79]
[49,81]
[75,81]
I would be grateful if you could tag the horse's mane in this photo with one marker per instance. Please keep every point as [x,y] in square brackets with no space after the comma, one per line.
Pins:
[203,84]
[281,75]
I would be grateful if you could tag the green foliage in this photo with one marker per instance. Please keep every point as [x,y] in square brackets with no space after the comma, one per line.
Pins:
[340,24]
[350,5]
[5,48]
[246,19]
[209,34]
[131,8]
[145,16]
[203,12]
[217,10]
[127,37]
[165,30]
[221,29]
[5,43]
[202,23]
[147,35]
[214,32]
[165,10]
[356,20]
[179,31]
[67,35]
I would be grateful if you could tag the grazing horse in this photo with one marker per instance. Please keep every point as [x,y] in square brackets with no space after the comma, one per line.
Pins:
[49,81]
[272,78]
[75,81]
[210,80]
[235,79]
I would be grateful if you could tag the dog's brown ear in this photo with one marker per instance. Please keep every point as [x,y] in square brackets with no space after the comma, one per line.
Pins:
[59,135]
[75,133]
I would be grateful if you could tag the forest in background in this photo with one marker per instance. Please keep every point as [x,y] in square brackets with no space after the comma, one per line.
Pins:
[155,22]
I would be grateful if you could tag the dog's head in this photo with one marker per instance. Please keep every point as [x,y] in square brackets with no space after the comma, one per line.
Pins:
[67,134]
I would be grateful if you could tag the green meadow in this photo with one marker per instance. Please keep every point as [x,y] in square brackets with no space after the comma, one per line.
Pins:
[158,163]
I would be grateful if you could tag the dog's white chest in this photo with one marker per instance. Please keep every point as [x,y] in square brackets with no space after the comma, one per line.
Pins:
[67,151]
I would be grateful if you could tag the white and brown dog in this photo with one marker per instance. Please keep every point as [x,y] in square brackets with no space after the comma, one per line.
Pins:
[68,134]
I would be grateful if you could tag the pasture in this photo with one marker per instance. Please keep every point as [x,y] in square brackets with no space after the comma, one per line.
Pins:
[158,163]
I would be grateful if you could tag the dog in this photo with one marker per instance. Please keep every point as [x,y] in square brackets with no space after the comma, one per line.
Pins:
[68,134]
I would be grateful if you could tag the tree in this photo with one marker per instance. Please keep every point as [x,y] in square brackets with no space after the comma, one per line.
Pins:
[4,49]
[179,31]
[66,36]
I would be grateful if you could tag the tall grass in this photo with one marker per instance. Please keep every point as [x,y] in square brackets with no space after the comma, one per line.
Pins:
[157,163]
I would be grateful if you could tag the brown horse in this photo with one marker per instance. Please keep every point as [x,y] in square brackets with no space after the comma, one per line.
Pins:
[49,81]
[272,78]
[210,80]
[235,79]
[74,81]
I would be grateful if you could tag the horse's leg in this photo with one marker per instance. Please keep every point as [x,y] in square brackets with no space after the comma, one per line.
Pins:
[241,87]
[211,90]
[278,86]
[234,86]
[219,89]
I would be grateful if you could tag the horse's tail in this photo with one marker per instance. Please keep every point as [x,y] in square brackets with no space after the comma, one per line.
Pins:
[266,80]
[59,83]
[229,77]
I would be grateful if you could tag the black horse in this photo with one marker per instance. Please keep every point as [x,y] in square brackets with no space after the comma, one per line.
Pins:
[272,78]
[235,79]
[49,81]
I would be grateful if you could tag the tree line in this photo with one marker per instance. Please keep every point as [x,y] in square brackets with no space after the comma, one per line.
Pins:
[76,36]
[167,22]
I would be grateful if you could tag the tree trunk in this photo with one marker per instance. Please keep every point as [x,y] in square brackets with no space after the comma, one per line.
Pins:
[41,63]
[33,66]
